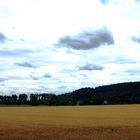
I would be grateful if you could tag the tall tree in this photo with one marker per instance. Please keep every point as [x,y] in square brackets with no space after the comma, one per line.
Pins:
[23,98]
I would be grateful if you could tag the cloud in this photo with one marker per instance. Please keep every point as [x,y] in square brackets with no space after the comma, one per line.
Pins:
[38,77]
[47,75]
[136,39]
[104,1]
[122,60]
[25,64]
[88,39]
[34,78]
[90,67]
[2,79]
[133,72]
[14,52]
[12,78]
[2,38]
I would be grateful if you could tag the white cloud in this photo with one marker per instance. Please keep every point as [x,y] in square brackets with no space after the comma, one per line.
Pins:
[29,30]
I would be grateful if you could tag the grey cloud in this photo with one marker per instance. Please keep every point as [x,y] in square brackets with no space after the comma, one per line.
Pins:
[2,38]
[90,67]
[25,64]
[88,39]
[104,1]
[40,77]
[47,76]
[136,39]
[34,78]
[22,39]
[62,87]
[2,79]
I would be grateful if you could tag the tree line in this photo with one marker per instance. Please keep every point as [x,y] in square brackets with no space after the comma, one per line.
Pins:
[33,99]
[121,93]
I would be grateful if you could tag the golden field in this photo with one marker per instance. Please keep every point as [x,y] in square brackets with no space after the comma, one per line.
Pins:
[110,122]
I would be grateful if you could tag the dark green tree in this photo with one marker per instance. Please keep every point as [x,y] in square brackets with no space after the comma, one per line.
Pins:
[23,98]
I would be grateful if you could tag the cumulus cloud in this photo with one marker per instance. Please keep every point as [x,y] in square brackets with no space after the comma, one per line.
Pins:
[2,38]
[88,39]
[104,1]
[25,64]
[136,39]
[90,67]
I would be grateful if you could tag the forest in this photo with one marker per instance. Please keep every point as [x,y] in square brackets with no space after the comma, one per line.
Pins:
[121,93]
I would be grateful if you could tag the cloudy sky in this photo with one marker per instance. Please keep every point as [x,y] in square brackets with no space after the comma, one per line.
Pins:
[62,45]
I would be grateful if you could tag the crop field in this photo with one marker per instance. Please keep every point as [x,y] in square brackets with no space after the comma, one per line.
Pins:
[116,122]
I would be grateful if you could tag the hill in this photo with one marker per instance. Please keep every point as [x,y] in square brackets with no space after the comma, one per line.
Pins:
[121,93]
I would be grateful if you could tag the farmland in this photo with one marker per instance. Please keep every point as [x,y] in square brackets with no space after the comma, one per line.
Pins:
[110,122]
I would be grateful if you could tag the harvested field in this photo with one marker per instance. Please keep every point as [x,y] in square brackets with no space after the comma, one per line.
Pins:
[70,123]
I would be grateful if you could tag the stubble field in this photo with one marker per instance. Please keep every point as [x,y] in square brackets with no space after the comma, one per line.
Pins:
[116,122]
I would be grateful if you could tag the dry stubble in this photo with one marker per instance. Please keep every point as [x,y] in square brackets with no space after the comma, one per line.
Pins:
[70,123]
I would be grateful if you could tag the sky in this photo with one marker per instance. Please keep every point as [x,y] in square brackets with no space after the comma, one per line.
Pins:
[57,46]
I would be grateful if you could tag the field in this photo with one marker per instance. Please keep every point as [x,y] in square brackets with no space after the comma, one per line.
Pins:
[116,122]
